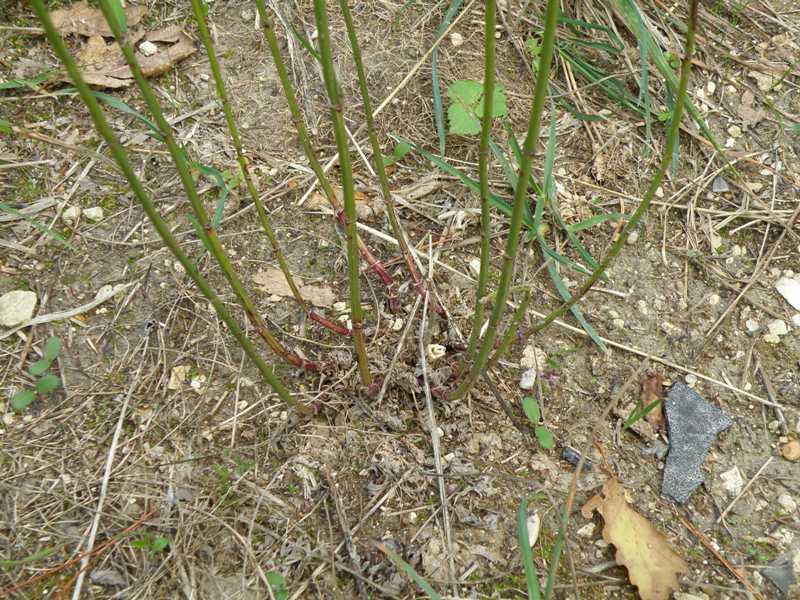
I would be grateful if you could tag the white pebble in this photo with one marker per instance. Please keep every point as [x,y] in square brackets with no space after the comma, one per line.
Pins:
[528,379]
[787,503]
[691,380]
[456,39]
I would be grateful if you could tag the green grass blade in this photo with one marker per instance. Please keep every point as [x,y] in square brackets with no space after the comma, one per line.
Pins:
[566,296]
[411,572]
[121,106]
[31,83]
[508,171]
[36,556]
[632,18]
[38,225]
[597,220]
[526,553]
[438,108]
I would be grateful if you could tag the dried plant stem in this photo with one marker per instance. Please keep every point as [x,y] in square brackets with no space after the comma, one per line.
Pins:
[121,158]
[233,129]
[380,168]
[302,132]
[666,159]
[181,162]
[348,191]
[520,200]
[489,30]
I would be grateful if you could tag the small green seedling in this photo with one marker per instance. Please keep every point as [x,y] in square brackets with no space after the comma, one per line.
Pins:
[46,383]
[543,434]
[467,106]
[152,545]
[640,412]
[277,583]
[400,150]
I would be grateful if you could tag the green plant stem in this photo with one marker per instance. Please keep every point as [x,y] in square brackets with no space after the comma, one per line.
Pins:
[121,158]
[520,199]
[348,191]
[302,132]
[489,30]
[181,162]
[666,159]
[233,129]
[377,159]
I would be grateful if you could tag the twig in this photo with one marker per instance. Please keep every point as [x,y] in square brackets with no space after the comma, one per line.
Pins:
[348,536]
[434,431]
[744,489]
[711,547]
[387,376]
[112,450]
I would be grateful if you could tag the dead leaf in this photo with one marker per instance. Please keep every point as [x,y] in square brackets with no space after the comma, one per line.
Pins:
[367,209]
[653,390]
[653,567]
[272,281]
[103,65]
[747,112]
[169,34]
[84,20]
[592,504]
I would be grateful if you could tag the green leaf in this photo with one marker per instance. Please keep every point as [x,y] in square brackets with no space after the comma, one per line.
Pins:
[596,220]
[48,384]
[222,185]
[467,106]
[277,583]
[409,570]
[795,128]
[30,82]
[39,367]
[159,545]
[531,409]
[119,14]
[5,127]
[545,437]
[399,152]
[51,348]
[22,399]
[531,574]
[121,106]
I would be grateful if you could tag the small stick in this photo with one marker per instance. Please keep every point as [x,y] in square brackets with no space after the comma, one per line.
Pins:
[744,489]
[348,536]
[710,546]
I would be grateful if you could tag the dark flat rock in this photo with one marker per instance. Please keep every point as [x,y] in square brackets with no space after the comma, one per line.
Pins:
[693,424]
[781,573]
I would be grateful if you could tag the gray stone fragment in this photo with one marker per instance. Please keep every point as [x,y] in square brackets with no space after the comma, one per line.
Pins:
[781,573]
[16,307]
[693,424]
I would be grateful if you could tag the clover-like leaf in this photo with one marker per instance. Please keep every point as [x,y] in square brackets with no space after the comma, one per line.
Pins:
[466,107]
[545,437]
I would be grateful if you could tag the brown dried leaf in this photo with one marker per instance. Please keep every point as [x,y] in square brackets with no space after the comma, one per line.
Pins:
[272,281]
[652,390]
[747,112]
[103,65]
[653,567]
[84,20]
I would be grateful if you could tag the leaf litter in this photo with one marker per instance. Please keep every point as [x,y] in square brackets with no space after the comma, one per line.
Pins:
[653,566]
[272,281]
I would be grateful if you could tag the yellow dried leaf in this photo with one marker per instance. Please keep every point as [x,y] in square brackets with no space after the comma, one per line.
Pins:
[653,566]
[272,281]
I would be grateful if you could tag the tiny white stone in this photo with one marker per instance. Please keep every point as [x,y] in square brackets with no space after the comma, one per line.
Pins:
[778,327]
[16,307]
[752,325]
[397,325]
[340,307]
[436,351]
[475,266]
[633,237]
[691,380]
[796,319]
[735,131]
[70,215]
[787,503]
[534,524]
[659,192]
[711,87]
[789,288]
[528,379]
[732,481]
[619,323]
[456,39]
[93,214]
[148,48]
[586,531]
[713,299]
